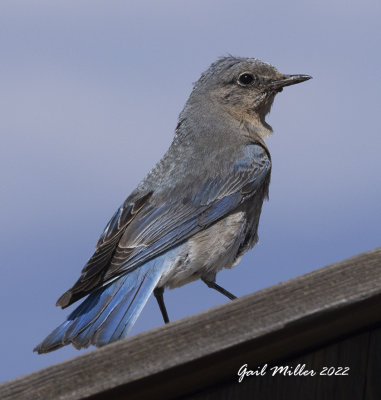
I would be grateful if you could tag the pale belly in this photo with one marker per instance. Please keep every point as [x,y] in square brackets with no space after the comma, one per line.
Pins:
[207,252]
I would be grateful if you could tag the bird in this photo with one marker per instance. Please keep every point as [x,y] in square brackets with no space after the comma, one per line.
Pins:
[196,212]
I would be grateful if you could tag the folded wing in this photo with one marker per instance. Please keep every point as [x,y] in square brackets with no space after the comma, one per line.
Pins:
[144,228]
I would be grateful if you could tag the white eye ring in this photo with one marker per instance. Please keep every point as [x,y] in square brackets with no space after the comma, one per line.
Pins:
[246,78]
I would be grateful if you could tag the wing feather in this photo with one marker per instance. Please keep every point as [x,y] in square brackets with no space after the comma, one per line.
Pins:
[141,230]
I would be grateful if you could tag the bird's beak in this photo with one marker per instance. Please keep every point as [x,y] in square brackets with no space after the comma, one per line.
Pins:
[287,80]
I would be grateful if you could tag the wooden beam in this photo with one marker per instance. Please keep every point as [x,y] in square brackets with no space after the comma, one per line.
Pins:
[197,351]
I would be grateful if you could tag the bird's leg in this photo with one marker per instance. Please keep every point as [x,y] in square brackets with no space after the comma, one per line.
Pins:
[158,292]
[220,289]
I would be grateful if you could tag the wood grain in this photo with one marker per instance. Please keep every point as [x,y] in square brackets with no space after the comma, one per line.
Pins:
[354,352]
[373,382]
[197,351]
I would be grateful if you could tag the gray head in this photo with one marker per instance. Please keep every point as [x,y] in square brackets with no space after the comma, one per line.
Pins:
[244,87]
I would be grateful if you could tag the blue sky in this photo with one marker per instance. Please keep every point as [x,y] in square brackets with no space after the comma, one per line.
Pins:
[90,94]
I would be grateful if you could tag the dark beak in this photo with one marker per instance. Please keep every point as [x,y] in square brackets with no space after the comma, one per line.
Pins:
[287,80]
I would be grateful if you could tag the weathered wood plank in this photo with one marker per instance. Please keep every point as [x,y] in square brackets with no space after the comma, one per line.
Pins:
[196,351]
[352,352]
[373,382]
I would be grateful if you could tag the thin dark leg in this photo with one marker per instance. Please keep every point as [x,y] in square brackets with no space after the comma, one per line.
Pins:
[220,289]
[158,292]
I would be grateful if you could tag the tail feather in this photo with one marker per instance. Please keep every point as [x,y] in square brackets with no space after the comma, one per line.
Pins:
[109,313]
[127,322]
[96,303]
[106,317]
[123,313]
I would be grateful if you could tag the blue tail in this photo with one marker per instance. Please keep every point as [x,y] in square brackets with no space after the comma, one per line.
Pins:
[109,313]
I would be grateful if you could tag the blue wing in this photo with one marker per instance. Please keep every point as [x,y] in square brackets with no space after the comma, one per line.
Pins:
[144,228]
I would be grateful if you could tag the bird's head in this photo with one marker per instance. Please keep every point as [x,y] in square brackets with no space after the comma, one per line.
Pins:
[245,88]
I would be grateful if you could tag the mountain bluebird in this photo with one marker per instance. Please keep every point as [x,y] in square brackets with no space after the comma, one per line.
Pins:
[196,212]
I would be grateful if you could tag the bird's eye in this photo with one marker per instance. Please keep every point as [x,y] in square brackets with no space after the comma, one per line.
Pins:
[246,78]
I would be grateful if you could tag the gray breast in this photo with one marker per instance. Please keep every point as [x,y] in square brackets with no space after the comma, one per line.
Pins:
[207,252]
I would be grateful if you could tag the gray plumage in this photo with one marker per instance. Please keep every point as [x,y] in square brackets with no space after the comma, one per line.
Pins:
[200,205]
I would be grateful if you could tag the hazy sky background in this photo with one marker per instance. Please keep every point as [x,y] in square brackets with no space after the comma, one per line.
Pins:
[90,92]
